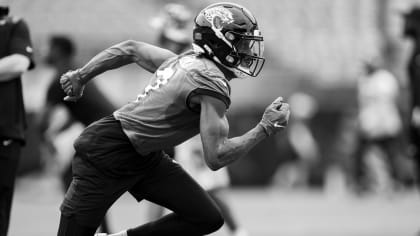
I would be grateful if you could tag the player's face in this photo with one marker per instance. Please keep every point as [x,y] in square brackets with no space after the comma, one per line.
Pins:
[251,52]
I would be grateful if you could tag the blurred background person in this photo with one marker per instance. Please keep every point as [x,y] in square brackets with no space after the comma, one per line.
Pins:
[174,26]
[380,127]
[15,59]
[412,31]
[93,106]
[303,163]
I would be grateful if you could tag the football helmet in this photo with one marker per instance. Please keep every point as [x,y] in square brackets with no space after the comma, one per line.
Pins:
[228,33]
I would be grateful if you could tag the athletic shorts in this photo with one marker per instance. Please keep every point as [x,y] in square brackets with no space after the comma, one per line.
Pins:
[104,167]
[92,193]
[106,147]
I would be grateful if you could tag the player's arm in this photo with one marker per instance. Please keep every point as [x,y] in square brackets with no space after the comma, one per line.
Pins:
[145,55]
[219,150]
[13,66]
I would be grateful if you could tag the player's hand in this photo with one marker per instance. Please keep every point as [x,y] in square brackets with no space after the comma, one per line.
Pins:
[275,117]
[70,83]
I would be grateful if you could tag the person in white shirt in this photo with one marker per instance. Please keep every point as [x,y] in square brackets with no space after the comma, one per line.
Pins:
[379,120]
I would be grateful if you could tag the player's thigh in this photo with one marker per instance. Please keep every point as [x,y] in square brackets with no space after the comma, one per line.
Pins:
[169,185]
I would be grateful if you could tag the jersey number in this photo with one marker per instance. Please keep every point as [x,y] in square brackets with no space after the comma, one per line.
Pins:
[162,78]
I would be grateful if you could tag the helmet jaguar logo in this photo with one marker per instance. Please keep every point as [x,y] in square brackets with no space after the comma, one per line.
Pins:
[218,16]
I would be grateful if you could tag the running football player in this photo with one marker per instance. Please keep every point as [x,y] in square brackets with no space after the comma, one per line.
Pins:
[188,94]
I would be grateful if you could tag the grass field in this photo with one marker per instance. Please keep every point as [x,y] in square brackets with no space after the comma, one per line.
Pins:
[264,212]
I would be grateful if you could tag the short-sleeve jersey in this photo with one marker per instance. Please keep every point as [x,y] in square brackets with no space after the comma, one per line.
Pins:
[14,39]
[163,116]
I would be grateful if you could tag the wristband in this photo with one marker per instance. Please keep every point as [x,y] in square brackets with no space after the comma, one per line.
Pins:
[264,129]
[267,126]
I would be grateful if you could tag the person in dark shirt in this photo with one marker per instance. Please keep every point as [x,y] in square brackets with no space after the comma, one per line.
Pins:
[15,59]
[92,107]
[412,32]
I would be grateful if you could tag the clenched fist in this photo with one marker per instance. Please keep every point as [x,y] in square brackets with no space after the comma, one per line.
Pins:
[72,86]
[275,117]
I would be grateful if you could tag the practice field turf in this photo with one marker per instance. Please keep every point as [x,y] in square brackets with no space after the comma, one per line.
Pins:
[264,212]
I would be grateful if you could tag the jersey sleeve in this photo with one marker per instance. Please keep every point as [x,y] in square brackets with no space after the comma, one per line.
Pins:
[211,82]
[20,41]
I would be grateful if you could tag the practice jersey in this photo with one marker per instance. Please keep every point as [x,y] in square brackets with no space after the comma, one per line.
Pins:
[163,115]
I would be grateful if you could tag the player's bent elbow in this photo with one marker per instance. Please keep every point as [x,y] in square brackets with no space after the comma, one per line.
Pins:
[131,46]
[213,165]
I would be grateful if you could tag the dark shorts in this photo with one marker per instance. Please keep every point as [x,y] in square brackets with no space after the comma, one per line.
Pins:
[105,166]
[106,147]
[92,193]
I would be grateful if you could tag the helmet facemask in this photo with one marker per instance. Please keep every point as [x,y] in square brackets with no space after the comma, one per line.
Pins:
[246,53]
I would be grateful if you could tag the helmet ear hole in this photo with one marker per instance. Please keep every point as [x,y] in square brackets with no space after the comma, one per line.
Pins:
[198,36]
[230,36]
[230,59]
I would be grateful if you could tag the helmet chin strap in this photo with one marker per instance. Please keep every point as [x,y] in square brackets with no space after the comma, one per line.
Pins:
[238,73]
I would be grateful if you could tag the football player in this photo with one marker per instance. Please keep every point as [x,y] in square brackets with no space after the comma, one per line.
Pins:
[188,94]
